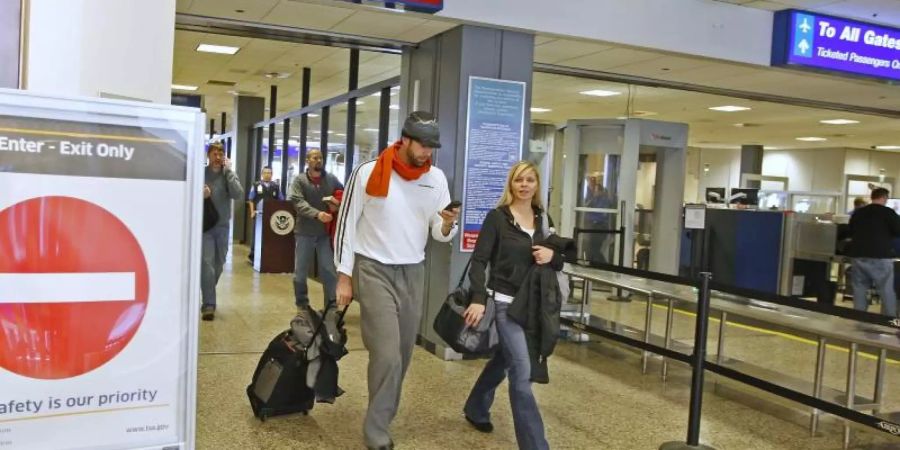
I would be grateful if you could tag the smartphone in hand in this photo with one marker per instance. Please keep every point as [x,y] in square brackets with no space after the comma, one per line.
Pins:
[453,205]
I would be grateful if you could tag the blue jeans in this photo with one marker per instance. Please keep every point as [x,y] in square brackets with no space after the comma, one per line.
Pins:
[215,249]
[511,357]
[880,273]
[306,248]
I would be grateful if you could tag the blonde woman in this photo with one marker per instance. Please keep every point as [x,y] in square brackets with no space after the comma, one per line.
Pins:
[506,246]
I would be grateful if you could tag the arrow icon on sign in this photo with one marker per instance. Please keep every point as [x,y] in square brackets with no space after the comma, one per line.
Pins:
[805,26]
[803,46]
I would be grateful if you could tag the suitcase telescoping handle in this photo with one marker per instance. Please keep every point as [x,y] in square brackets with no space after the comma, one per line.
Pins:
[322,324]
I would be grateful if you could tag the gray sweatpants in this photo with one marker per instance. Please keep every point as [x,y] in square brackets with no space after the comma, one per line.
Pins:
[390,310]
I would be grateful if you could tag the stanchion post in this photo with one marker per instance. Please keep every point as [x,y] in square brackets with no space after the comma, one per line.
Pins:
[697,362]
[621,296]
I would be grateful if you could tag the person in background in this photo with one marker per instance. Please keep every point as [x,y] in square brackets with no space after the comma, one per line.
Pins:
[872,229]
[597,245]
[222,186]
[308,193]
[390,206]
[858,202]
[505,245]
[265,189]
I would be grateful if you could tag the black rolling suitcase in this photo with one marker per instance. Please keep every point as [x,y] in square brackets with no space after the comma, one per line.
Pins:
[279,384]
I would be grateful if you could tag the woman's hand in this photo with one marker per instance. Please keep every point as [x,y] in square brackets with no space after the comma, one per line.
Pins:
[473,314]
[542,255]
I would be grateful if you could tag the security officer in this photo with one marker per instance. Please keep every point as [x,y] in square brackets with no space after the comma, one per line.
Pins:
[264,189]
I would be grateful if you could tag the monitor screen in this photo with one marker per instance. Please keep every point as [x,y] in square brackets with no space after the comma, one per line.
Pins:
[715,195]
[773,200]
[744,196]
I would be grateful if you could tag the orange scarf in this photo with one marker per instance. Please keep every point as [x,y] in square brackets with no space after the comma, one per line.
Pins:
[379,181]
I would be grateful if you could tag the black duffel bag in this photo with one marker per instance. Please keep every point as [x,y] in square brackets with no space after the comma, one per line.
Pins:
[450,323]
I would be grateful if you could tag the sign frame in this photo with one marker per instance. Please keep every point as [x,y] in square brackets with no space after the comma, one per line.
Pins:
[464,246]
[183,340]
[784,36]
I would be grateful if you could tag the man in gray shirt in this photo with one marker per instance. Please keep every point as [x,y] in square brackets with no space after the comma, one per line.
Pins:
[222,186]
[308,191]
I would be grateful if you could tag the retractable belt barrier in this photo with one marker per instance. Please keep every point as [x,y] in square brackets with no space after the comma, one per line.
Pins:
[831,310]
[699,364]
[806,399]
[668,353]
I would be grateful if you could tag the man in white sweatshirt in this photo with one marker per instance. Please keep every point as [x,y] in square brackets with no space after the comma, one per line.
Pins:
[389,207]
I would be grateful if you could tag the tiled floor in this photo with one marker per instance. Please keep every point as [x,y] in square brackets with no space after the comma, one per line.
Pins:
[597,398]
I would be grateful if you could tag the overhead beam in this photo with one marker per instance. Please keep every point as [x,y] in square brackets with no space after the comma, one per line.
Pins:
[257,30]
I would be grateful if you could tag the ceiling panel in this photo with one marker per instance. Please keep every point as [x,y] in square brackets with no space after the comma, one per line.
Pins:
[610,59]
[252,9]
[378,24]
[305,15]
[556,50]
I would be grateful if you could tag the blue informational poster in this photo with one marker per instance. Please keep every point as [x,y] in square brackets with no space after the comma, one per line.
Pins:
[494,136]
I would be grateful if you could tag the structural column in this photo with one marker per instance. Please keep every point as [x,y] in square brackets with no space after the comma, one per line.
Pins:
[10,34]
[121,49]
[247,111]
[435,77]
[751,162]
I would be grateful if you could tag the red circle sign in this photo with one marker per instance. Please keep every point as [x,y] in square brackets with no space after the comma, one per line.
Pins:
[73,287]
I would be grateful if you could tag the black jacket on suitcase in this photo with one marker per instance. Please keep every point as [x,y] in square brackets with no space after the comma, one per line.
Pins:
[291,377]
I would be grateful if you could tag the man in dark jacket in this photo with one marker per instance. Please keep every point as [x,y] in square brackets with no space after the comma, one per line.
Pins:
[308,191]
[872,228]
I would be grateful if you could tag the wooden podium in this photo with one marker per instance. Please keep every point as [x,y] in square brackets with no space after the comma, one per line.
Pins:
[274,237]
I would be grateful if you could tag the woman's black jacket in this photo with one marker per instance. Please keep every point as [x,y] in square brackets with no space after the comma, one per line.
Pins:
[507,249]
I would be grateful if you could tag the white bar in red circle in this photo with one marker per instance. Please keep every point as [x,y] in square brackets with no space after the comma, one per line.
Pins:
[66,287]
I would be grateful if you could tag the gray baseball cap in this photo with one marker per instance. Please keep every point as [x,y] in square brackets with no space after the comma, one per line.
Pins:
[423,127]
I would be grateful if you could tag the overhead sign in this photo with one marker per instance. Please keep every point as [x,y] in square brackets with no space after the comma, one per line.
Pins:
[829,43]
[494,137]
[99,252]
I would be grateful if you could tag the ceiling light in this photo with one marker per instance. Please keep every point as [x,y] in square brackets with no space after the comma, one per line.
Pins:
[220,49]
[729,108]
[540,110]
[278,75]
[600,93]
[395,107]
[887,147]
[839,122]
[377,94]
[340,134]
[811,139]
[373,130]
[312,115]
[183,87]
